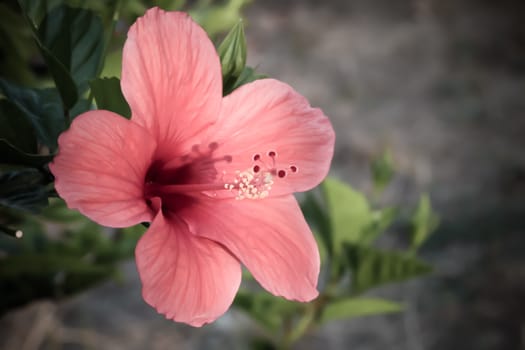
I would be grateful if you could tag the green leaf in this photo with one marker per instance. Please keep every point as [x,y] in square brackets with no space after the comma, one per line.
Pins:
[108,96]
[349,212]
[36,10]
[18,144]
[63,80]
[318,219]
[382,171]
[349,308]
[9,154]
[57,211]
[71,41]
[74,37]
[424,222]
[371,267]
[269,311]
[82,105]
[16,45]
[232,53]
[218,18]
[24,190]
[380,221]
[112,64]
[171,5]
[41,107]
[247,76]
[15,129]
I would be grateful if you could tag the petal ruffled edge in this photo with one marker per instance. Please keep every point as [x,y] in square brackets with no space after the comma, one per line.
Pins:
[187,278]
[100,168]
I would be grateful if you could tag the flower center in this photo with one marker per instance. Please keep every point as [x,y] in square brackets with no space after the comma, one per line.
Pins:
[196,174]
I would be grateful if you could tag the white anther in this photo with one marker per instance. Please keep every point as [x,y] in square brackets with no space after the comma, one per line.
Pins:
[251,185]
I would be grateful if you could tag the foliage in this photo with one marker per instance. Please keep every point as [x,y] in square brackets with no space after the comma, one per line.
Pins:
[78,47]
[346,226]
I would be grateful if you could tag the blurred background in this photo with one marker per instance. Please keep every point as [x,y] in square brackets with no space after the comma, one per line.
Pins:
[441,84]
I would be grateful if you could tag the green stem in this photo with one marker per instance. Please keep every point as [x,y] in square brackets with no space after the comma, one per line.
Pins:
[306,323]
[303,326]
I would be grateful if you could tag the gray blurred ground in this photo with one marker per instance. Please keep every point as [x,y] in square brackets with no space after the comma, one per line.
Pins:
[442,84]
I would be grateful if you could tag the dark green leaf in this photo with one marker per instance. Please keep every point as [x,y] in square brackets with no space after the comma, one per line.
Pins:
[9,154]
[15,128]
[24,190]
[108,96]
[349,308]
[318,219]
[82,105]
[18,144]
[16,45]
[349,210]
[71,42]
[63,80]
[75,37]
[25,278]
[41,107]
[371,267]
[36,10]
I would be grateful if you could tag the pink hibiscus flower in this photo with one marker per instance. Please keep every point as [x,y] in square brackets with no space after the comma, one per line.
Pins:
[213,175]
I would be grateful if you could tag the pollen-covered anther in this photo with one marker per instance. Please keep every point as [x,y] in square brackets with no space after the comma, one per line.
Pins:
[251,184]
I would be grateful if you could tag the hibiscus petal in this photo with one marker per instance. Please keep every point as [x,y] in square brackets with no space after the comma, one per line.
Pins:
[270,237]
[269,116]
[171,76]
[101,166]
[187,278]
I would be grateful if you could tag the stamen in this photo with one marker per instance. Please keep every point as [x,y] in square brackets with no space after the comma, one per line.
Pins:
[256,182]
[251,184]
